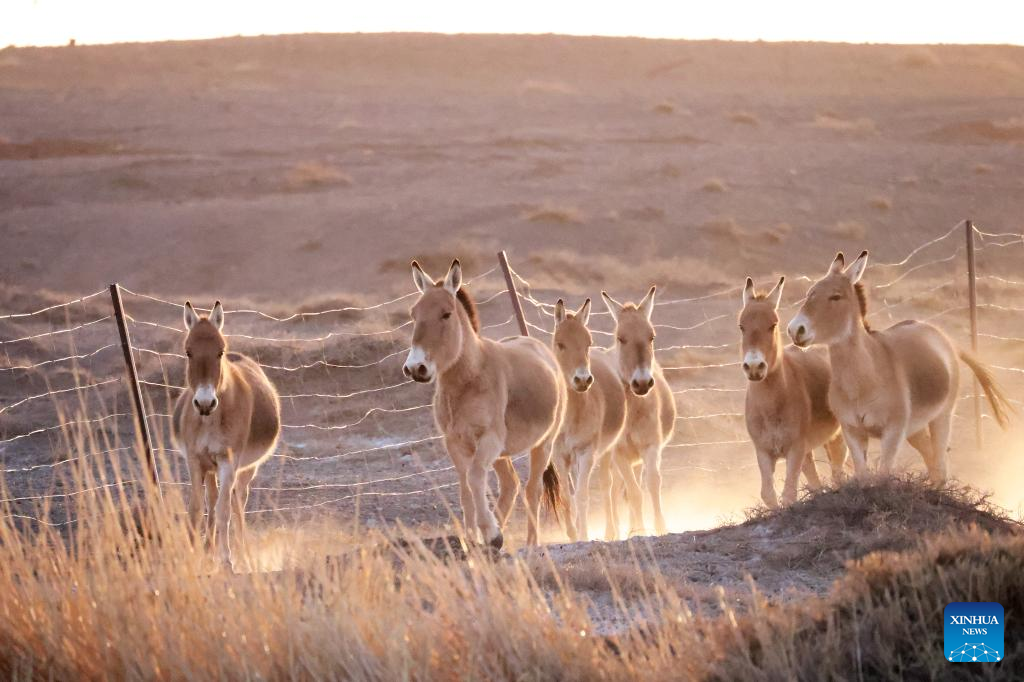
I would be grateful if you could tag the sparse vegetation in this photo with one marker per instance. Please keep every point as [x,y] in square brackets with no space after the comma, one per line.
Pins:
[550,213]
[831,121]
[144,603]
[744,118]
[663,108]
[847,229]
[311,175]
[714,185]
[880,202]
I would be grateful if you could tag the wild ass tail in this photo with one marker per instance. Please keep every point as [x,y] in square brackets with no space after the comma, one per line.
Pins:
[1001,407]
[553,498]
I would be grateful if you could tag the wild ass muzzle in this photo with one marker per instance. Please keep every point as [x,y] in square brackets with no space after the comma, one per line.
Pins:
[895,385]
[594,418]
[493,400]
[650,411]
[227,423]
[787,412]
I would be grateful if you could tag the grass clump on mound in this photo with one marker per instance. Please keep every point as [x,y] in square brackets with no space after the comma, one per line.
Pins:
[883,619]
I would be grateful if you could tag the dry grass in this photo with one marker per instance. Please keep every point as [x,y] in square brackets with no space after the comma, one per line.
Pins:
[847,229]
[664,108]
[714,185]
[880,202]
[549,213]
[831,121]
[744,118]
[921,58]
[311,175]
[983,169]
[127,595]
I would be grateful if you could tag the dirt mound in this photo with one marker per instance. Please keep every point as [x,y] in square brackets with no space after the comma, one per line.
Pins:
[789,553]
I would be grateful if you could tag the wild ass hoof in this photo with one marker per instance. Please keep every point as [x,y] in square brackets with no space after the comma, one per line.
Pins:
[497,542]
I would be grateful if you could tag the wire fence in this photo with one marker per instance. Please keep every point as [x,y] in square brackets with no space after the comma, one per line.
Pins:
[351,419]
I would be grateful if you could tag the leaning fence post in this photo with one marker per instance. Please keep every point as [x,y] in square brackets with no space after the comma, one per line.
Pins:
[133,384]
[517,305]
[972,295]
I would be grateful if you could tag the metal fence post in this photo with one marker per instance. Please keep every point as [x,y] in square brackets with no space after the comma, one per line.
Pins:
[972,294]
[517,305]
[133,385]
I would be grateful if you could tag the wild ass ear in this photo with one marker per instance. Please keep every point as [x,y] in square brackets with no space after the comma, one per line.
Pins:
[857,268]
[583,314]
[453,280]
[420,278]
[191,317]
[748,292]
[646,306]
[559,311]
[613,306]
[217,316]
[775,295]
[838,263]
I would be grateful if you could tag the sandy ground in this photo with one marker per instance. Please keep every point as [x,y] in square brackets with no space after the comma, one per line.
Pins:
[296,174]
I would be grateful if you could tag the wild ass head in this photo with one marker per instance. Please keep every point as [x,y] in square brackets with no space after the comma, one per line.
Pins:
[442,318]
[572,341]
[634,338]
[759,327]
[205,347]
[834,306]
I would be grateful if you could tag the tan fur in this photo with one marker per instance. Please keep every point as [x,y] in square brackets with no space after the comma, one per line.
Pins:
[493,400]
[224,448]
[787,412]
[895,385]
[595,413]
[650,413]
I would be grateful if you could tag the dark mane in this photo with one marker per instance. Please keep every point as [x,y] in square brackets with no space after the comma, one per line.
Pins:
[467,304]
[862,299]
[470,307]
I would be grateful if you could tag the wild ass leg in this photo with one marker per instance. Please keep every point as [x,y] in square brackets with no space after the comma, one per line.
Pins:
[766,464]
[810,470]
[539,459]
[508,489]
[890,445]
[634,494]
[857,442]
[561,461]
[922,442]
[240,499]
[195,498]
[226,481]
[584,468]
[940,428]
[487,451]
[611,512]
[794,462]
[652,481]
[836,449]
[211,506]
[461,459]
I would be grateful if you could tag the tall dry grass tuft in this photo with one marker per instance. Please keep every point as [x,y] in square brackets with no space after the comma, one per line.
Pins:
[127,592]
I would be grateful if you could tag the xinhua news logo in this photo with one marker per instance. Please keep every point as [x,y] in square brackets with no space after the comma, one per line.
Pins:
[973,632]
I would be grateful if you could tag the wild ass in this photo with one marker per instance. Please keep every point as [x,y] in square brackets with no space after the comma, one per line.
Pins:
[494,399]
[226,422]
[787,410]
[594,418]
[650,410]
[896,384]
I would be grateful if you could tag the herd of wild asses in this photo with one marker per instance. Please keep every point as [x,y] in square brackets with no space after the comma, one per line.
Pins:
[572,407]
